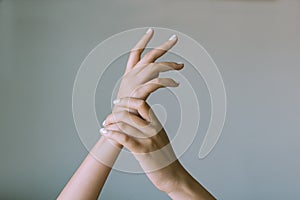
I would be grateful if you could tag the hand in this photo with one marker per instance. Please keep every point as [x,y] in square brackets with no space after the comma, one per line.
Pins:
[141,74]
[145,137]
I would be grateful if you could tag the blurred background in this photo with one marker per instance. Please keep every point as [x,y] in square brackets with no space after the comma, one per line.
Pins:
[255,44]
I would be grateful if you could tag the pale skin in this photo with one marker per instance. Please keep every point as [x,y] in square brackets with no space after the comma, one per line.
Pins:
[134,125]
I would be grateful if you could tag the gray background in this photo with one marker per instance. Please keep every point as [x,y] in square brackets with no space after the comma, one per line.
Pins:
[255,44]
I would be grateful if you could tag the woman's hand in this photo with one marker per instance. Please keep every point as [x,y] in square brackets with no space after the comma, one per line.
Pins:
[141,74]
[144,136]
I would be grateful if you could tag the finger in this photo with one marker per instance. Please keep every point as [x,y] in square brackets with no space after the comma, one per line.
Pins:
[152,71]
[125,128]
[166,66]
[138,49]
[121,138]
[151,56]
[127,117]
[147,88]
[140,105]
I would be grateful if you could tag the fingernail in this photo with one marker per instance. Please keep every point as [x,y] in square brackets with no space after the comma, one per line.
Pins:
[177,82]
[173,37]
[180,63]
[149,30]
[103,131]
[116,101]
[103,123]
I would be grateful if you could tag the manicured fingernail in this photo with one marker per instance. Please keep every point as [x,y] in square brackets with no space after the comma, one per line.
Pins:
[103,123]
[104,131]
[173,37]
[149,30]
[116,101]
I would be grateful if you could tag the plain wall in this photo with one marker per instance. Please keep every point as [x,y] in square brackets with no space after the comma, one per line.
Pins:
[255,44]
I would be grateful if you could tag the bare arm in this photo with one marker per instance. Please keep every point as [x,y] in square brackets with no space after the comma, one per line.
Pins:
[88,180]
[188,188]
[145,137]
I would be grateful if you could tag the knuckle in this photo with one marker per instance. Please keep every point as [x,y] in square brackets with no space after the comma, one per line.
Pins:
[121,126]
[111,127]
[150,145]
[155,67]
[123,114]
[156,80]
[141,104]
[161,80]
[109,118]
[152,130]
[146,145]
[135,51]
[148,56]
[132,144]
[125,138]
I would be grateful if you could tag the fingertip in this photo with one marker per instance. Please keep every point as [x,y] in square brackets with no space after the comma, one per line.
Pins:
[181,65]
[116,101]
[173,37]
[150,30]
[172,83]
[104,131]
[176,83]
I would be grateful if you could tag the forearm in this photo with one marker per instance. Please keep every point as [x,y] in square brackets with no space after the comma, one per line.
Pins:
[188,188]
[88,180]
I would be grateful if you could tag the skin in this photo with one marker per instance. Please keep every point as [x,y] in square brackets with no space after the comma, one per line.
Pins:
[131,119]
[145,137]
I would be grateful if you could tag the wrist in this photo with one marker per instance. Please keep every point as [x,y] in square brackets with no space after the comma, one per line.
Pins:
[106,151]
